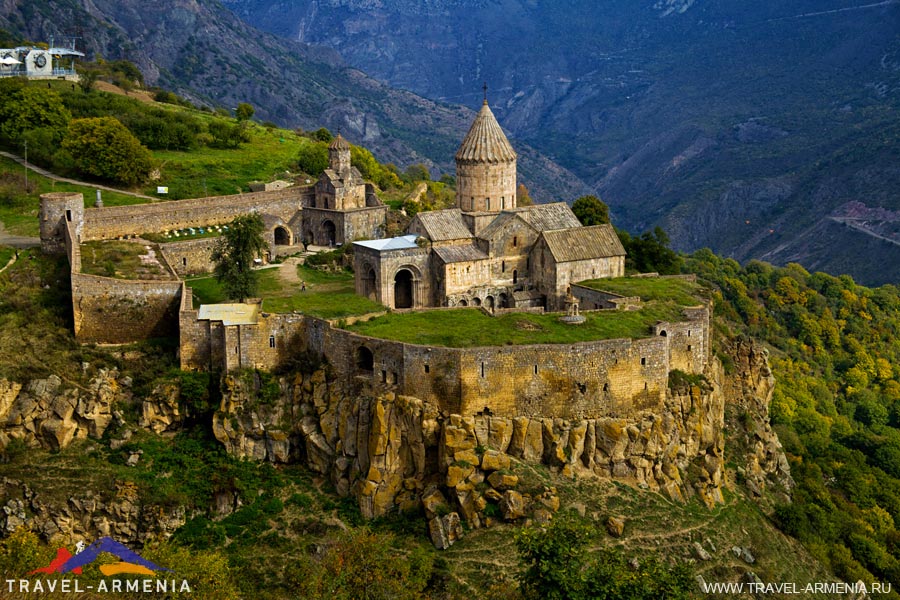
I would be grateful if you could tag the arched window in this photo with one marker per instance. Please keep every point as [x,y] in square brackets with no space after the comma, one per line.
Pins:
[365,361]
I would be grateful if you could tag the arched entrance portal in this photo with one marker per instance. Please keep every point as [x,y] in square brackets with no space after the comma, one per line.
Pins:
[282,236]
[403,289]
[368,281]
[329,233]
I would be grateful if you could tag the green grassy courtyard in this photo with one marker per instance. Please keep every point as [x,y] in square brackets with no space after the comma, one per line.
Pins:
[327,295]
[682,292]
[467,327]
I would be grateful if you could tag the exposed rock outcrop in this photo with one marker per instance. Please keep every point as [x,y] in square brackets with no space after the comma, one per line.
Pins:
[756,447]
[50,413]
[396,451]
[86,515]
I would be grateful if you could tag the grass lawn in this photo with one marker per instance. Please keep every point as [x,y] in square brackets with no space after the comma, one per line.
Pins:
[125,260]
[680,291]
[19,211]
[215,171]
[467,327]
[327,295]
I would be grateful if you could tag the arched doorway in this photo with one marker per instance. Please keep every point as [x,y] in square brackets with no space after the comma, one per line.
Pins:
[368,281]
[403,289]
[504,300]
[282,236]
[463,303]
[365,361]
[329,233]
[489,303]
[515,276]
[476,301]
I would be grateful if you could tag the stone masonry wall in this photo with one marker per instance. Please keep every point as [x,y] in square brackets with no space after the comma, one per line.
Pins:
[587,380]
[191,257]
[115,311]
[115,221]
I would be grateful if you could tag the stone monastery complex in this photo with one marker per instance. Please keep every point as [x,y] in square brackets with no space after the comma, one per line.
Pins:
[487,254]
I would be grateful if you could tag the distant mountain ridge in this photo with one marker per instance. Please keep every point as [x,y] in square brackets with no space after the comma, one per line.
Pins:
[202,51]
[740,126]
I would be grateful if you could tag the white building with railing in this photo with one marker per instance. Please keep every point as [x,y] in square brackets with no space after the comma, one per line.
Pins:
[39,63]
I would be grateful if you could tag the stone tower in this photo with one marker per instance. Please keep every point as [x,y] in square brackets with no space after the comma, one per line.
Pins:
[485,167]
[58,208]
[339,156]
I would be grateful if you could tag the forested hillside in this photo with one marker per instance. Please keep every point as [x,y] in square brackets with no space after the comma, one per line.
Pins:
[836,406]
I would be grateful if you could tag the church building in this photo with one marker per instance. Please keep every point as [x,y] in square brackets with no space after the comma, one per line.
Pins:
[487,251]
[345,207]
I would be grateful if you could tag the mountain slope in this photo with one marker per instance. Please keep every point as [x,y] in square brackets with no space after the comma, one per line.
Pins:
[698,115]
[202,51]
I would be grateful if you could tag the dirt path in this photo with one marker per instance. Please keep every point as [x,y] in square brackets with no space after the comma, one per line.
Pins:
[287,273]
[17,241]
[50,175]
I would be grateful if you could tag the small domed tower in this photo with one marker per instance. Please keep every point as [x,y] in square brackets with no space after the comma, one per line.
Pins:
[57,208]
[485,167]
[339,155]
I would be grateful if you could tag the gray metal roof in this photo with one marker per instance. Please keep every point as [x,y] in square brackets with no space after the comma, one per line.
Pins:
[404,242]
[583,243]
[442,225]
[455,254]
[485,141]
[544,217]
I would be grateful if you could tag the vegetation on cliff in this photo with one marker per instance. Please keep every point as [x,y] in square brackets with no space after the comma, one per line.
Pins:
[836,406]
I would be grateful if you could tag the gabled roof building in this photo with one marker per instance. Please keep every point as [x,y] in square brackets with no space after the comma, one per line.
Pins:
[487,251]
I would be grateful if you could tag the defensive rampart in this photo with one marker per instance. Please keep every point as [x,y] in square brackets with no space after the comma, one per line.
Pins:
[605,378]
[117,311]
[116,221]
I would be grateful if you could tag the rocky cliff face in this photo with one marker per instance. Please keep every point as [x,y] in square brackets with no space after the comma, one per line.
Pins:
[396,451]
[757,451]
[390,451]
[50,413]
[86,514]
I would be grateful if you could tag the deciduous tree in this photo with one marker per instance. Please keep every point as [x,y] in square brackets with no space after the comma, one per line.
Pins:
[234,253]
[590,210]
[244,111]
[104,148]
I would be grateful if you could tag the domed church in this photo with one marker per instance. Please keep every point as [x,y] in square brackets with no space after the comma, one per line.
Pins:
[487,251]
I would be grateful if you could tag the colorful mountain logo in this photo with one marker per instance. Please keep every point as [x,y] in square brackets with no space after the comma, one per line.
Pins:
[130,562]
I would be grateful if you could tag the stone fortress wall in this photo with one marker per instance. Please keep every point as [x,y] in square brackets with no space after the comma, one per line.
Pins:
[115,311]
[585,380]
[190,257]
[606,378]
[111,310]
[117,221]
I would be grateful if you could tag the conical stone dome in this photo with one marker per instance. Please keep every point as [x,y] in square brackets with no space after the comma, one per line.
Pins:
[485,142]
[339,143]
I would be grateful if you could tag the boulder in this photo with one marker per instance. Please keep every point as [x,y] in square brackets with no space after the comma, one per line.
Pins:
[615,526]
[494,461]
[512,505]
[501,481]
